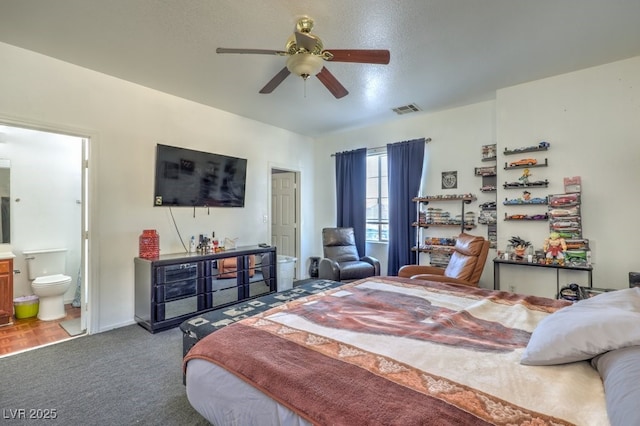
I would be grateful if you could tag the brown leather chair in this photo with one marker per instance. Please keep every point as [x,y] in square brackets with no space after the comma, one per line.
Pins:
[465,267]
[341,260]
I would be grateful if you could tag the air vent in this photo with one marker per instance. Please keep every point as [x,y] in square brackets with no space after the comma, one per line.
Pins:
[406,109]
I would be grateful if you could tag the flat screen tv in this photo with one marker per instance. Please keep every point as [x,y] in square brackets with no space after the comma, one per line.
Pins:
[185,177]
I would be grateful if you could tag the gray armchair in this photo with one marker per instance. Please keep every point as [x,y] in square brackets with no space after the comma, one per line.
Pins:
[341,260]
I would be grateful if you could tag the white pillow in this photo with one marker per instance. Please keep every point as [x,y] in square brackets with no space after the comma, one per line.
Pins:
[585,329]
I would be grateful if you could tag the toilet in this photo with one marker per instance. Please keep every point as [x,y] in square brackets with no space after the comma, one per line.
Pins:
[48,282]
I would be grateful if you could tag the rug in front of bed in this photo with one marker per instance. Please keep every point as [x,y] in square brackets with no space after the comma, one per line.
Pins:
[204,324]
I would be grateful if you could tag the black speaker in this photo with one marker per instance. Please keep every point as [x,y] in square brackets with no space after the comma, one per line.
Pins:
[634,279]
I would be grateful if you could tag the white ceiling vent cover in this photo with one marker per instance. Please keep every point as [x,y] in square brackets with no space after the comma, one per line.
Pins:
[406,109]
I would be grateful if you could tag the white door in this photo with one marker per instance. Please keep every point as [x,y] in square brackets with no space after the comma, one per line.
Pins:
[284,224]
[84,262]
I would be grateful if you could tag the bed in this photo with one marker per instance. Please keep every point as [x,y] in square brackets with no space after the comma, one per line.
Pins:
[396,351]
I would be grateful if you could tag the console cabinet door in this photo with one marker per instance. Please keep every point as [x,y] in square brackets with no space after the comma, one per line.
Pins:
[262,278]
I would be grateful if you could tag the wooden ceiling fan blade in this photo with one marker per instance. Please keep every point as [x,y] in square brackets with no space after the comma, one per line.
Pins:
[251,51]
[332,83]
[362,56]
[275,81]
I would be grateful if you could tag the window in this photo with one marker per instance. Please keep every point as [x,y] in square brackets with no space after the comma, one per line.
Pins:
[377,197]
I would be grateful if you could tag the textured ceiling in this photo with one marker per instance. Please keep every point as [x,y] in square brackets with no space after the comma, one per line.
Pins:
[443,52]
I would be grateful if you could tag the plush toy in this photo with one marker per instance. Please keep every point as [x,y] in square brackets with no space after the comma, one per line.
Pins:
[555,247]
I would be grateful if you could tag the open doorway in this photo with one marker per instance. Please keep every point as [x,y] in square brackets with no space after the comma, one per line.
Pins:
[285,208]
[49,207]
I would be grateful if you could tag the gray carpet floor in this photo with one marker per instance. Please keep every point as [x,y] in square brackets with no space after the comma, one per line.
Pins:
[125,376]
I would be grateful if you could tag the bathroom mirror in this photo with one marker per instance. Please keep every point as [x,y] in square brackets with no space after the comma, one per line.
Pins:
[5,201]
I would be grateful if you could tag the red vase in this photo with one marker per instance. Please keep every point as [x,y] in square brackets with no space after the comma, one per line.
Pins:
[149,244]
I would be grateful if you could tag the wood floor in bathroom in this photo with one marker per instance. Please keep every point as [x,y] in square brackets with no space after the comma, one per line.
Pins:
[29,333]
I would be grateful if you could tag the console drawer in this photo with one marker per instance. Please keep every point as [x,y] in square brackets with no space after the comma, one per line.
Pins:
[178,272]
[178,308]
[178,290]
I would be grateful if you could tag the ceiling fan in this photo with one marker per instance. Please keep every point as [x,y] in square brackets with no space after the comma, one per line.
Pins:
[306,56]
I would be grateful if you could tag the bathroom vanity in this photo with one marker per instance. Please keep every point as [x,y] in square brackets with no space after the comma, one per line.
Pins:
[6,288]
[175,287]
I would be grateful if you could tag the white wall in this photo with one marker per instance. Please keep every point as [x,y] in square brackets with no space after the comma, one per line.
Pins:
[457,138]
[125,122]
[591,119]
[46,186]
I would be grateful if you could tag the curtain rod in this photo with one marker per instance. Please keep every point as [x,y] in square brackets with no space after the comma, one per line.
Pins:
[384,147]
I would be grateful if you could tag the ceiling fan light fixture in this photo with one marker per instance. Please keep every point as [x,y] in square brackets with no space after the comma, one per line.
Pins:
[306,55]
[305,64]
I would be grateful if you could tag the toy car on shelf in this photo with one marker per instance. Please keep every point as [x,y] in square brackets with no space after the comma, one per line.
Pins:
[515,217]
[571,211]
[488,188]
[559,224]
[489,205]
[526,217]
[564,199]
[518,201]
[485,171]
[535,183]
[573,231]
[538,200]
[568,234]
[544,216]
[524,162]
[487,217]
[507,202]
[577,244]
[541,146]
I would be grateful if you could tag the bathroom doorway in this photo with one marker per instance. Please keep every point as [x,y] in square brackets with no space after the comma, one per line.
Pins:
[49,195]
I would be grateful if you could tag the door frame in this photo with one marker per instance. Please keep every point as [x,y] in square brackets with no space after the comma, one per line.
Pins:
[89,246]
[272,169]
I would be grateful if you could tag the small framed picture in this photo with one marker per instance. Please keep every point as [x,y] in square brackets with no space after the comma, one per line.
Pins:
[450,180]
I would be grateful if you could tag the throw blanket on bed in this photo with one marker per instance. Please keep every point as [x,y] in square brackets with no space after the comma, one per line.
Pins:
[389,350]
